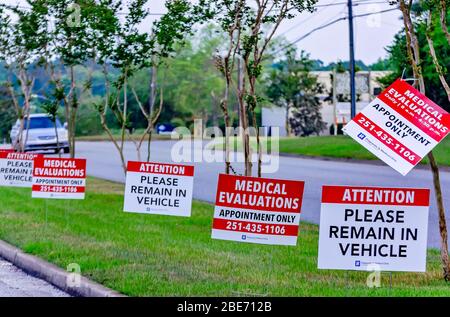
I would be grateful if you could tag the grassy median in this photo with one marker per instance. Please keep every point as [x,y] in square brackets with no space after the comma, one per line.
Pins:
[333,147]
[146,255]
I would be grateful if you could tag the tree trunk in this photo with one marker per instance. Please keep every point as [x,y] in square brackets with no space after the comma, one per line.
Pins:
[151,106]
[443,20]
[224,106]
[288,126]
[57,139]
[150,133]
[434,57]
[153,120]
[413,50]
[104,123]
[27,128]
[27,91]
[73,113]
[124,114]
[258,143]
[245,135]
[20,135]
[442,220]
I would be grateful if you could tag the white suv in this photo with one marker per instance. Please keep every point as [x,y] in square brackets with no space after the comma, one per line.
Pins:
[41,134]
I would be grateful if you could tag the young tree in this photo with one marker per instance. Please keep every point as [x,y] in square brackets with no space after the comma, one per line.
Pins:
[439,7]
[51,108]
[292,86]
[188,79]
[69,44]
[268,14]
[413,51]
[169,30]
[151,115]
[20,42]
[432,13]
[231,24]
[128,50]
[442,6]
[123,46]
[246,23]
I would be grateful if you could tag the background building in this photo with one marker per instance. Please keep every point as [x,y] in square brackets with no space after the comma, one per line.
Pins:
[335,100]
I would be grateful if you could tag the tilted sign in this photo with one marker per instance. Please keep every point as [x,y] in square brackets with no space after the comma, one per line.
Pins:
[373,228]
[59,178]
[16,169]
[157,188]
[257,210]
[400,127]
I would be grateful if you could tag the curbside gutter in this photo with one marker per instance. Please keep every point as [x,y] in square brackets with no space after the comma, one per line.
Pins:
[53,274]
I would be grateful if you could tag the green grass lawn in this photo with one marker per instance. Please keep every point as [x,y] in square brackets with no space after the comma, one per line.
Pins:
[334,147]
[172,256]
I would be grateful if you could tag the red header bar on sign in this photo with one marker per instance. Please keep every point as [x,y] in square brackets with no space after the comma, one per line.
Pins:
[19,156]
[259,193]
[417,109]
[160,168]
[376,196]
[59,168]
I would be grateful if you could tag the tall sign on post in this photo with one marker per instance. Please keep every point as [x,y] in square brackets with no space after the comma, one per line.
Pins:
[257,210]
[16,169]
[159,188]
[59,178]
[370,228]
[401,126]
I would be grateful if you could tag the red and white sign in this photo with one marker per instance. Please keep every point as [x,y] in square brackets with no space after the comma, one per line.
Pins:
[257,210]
[59,178]
[374,229]
[16,169]
[400,127]
[160,189]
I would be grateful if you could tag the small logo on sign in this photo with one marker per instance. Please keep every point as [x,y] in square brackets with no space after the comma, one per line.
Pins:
[358,263]
[244,237]
[362,136]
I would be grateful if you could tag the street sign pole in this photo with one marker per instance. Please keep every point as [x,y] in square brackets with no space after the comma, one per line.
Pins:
[352,61]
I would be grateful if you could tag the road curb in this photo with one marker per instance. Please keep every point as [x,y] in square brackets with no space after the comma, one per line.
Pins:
[53,274]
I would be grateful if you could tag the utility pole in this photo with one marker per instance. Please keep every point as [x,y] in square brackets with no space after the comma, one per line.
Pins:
[352,61]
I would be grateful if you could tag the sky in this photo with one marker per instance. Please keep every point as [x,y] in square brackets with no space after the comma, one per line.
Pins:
[372,33]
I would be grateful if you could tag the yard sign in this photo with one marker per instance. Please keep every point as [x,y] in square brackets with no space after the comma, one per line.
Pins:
[16,169]
[370,228]
[257,210]
[59,178]
[400,127]
[157,188]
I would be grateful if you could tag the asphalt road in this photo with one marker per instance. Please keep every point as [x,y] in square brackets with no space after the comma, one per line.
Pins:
[16,283]
[104,162]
